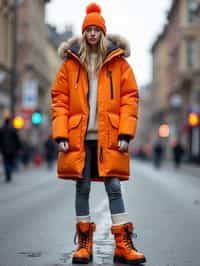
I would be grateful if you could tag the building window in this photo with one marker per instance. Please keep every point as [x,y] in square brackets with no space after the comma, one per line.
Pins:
[191,10]
[191,52]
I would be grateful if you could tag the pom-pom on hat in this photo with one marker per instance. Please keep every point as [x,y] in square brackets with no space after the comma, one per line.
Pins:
[93,17]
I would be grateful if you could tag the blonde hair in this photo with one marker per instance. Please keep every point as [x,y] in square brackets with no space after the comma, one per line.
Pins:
[85,52]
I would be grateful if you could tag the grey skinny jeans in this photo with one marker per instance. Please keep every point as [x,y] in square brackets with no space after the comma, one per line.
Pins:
[112,185]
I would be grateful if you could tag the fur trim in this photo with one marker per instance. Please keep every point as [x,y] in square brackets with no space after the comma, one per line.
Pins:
[119,41]
[65,46]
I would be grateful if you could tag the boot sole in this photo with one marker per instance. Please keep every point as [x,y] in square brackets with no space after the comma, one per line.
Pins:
[131,262]
[78,260]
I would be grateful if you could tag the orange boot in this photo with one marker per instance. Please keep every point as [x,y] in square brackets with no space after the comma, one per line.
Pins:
[125,252]
[83,253]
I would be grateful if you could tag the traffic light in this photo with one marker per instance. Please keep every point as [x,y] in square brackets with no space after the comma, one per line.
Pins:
[36,118]
[193,119]
[18,122]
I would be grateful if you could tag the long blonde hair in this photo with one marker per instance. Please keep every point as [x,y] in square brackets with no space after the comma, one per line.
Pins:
[85,52]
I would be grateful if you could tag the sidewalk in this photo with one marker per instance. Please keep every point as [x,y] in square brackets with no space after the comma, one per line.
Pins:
[185,168]
[1,168]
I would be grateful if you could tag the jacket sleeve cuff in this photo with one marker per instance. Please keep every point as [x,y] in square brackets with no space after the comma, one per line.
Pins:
[124,137]
[60,127]
[127,126]
[58,140]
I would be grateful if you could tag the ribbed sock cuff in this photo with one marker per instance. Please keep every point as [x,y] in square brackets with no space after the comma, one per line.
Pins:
[83,219]
[119,218]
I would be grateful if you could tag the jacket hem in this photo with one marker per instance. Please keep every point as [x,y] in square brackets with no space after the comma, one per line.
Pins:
[93,179]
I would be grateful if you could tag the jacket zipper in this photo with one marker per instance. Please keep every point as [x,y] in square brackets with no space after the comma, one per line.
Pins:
[101,153]
[78,76]
[111,84]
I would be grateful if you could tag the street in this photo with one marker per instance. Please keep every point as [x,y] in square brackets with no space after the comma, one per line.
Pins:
[37,217]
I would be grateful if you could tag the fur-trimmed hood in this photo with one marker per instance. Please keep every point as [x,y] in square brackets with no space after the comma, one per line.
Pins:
[114,42]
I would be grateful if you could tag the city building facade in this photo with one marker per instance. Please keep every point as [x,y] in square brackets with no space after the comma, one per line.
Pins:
[6,51]
[176,77]
[32,63]
[28,63]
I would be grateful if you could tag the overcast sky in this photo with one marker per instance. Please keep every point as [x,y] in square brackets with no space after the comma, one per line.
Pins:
[139,21]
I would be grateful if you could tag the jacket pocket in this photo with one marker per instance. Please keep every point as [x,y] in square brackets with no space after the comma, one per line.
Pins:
[75,128]
[113,131]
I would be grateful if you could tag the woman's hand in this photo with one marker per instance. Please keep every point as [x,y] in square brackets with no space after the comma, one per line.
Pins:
[63,146]
[123,145]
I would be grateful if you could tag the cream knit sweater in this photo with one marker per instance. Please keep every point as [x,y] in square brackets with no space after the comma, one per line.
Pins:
[92,129]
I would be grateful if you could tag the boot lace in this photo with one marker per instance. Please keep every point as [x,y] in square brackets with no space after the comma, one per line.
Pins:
[83,239]
[128,236]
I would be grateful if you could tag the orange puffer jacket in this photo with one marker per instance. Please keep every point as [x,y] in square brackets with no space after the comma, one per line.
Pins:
[117,102]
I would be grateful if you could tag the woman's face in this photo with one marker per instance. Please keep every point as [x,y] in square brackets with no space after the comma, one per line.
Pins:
[93,35]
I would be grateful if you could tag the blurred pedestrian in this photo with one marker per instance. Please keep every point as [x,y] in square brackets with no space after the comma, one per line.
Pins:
[37,158]
[158,153]
[49,151]
[94,113]
[10,147]
[25,153]
[178,153]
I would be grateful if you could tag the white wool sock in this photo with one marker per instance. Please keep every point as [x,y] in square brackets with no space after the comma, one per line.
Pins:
[83,219]
[119,218]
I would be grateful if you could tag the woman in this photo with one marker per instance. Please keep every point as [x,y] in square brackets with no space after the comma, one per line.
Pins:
[94,113]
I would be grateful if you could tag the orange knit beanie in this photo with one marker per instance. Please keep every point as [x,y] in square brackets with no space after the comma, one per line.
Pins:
[93,18]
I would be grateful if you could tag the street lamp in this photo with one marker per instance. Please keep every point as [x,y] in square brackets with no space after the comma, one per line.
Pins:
[193,119]
[13,80]
[176,101]
[164,131]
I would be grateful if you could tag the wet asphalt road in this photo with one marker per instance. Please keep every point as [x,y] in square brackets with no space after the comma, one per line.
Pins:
[37,218]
